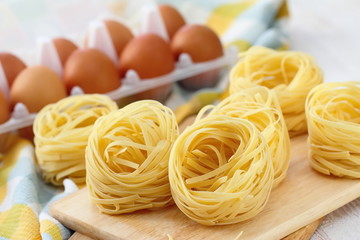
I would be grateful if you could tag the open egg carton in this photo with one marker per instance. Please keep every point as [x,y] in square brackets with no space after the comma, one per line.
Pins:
[99,38]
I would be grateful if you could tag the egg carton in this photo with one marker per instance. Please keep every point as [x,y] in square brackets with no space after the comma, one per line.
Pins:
[99,38]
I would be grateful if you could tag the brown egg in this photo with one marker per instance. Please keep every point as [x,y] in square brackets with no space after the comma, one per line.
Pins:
[64,48]
[91,70]
[4,108]
[4,116]
[27,133]
[150,56]
[12,66]
[172,18]
[202,44]
[119,34]
[36,87]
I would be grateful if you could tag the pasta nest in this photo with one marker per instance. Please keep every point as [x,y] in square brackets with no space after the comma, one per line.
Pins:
[333,113]
[61,133]
[260,106]
[220,171]
[127,158]
[289,74]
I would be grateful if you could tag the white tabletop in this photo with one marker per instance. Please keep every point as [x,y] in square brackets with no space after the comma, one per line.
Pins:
[330,31]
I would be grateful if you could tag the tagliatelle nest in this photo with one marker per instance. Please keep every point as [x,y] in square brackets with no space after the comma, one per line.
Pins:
[220,171]
[260,106]
[333,113]
[289,74]
[127,158]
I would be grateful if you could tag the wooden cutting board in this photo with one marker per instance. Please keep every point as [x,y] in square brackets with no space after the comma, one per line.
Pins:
[301,199]
[304,233]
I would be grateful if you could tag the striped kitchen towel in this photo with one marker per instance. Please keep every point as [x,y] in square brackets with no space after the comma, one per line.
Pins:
[242,23]
[25,198]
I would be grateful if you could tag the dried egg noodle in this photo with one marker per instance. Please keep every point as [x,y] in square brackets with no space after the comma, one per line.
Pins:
[291,75]
[127,158]
[61,134]
[333,113]
[220,171]
[260,106]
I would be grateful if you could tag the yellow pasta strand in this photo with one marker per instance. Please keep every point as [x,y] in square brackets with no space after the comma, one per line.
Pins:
[289,74]
[220,170]
[127,158]
[260,106]
[333,114]
[61,134]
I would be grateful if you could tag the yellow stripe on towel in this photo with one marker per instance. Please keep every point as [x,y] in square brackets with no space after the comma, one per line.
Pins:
[19,222]
[223,16]
[9,161]
[49,227]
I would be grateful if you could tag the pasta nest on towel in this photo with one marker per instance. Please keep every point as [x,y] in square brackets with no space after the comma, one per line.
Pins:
[61,134]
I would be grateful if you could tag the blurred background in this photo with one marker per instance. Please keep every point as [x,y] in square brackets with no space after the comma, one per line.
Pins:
[327,29]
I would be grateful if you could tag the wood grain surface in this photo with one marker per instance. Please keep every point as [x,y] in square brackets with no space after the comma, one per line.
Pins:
[303,233]
[306,232]
[301,199]
[79,236]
